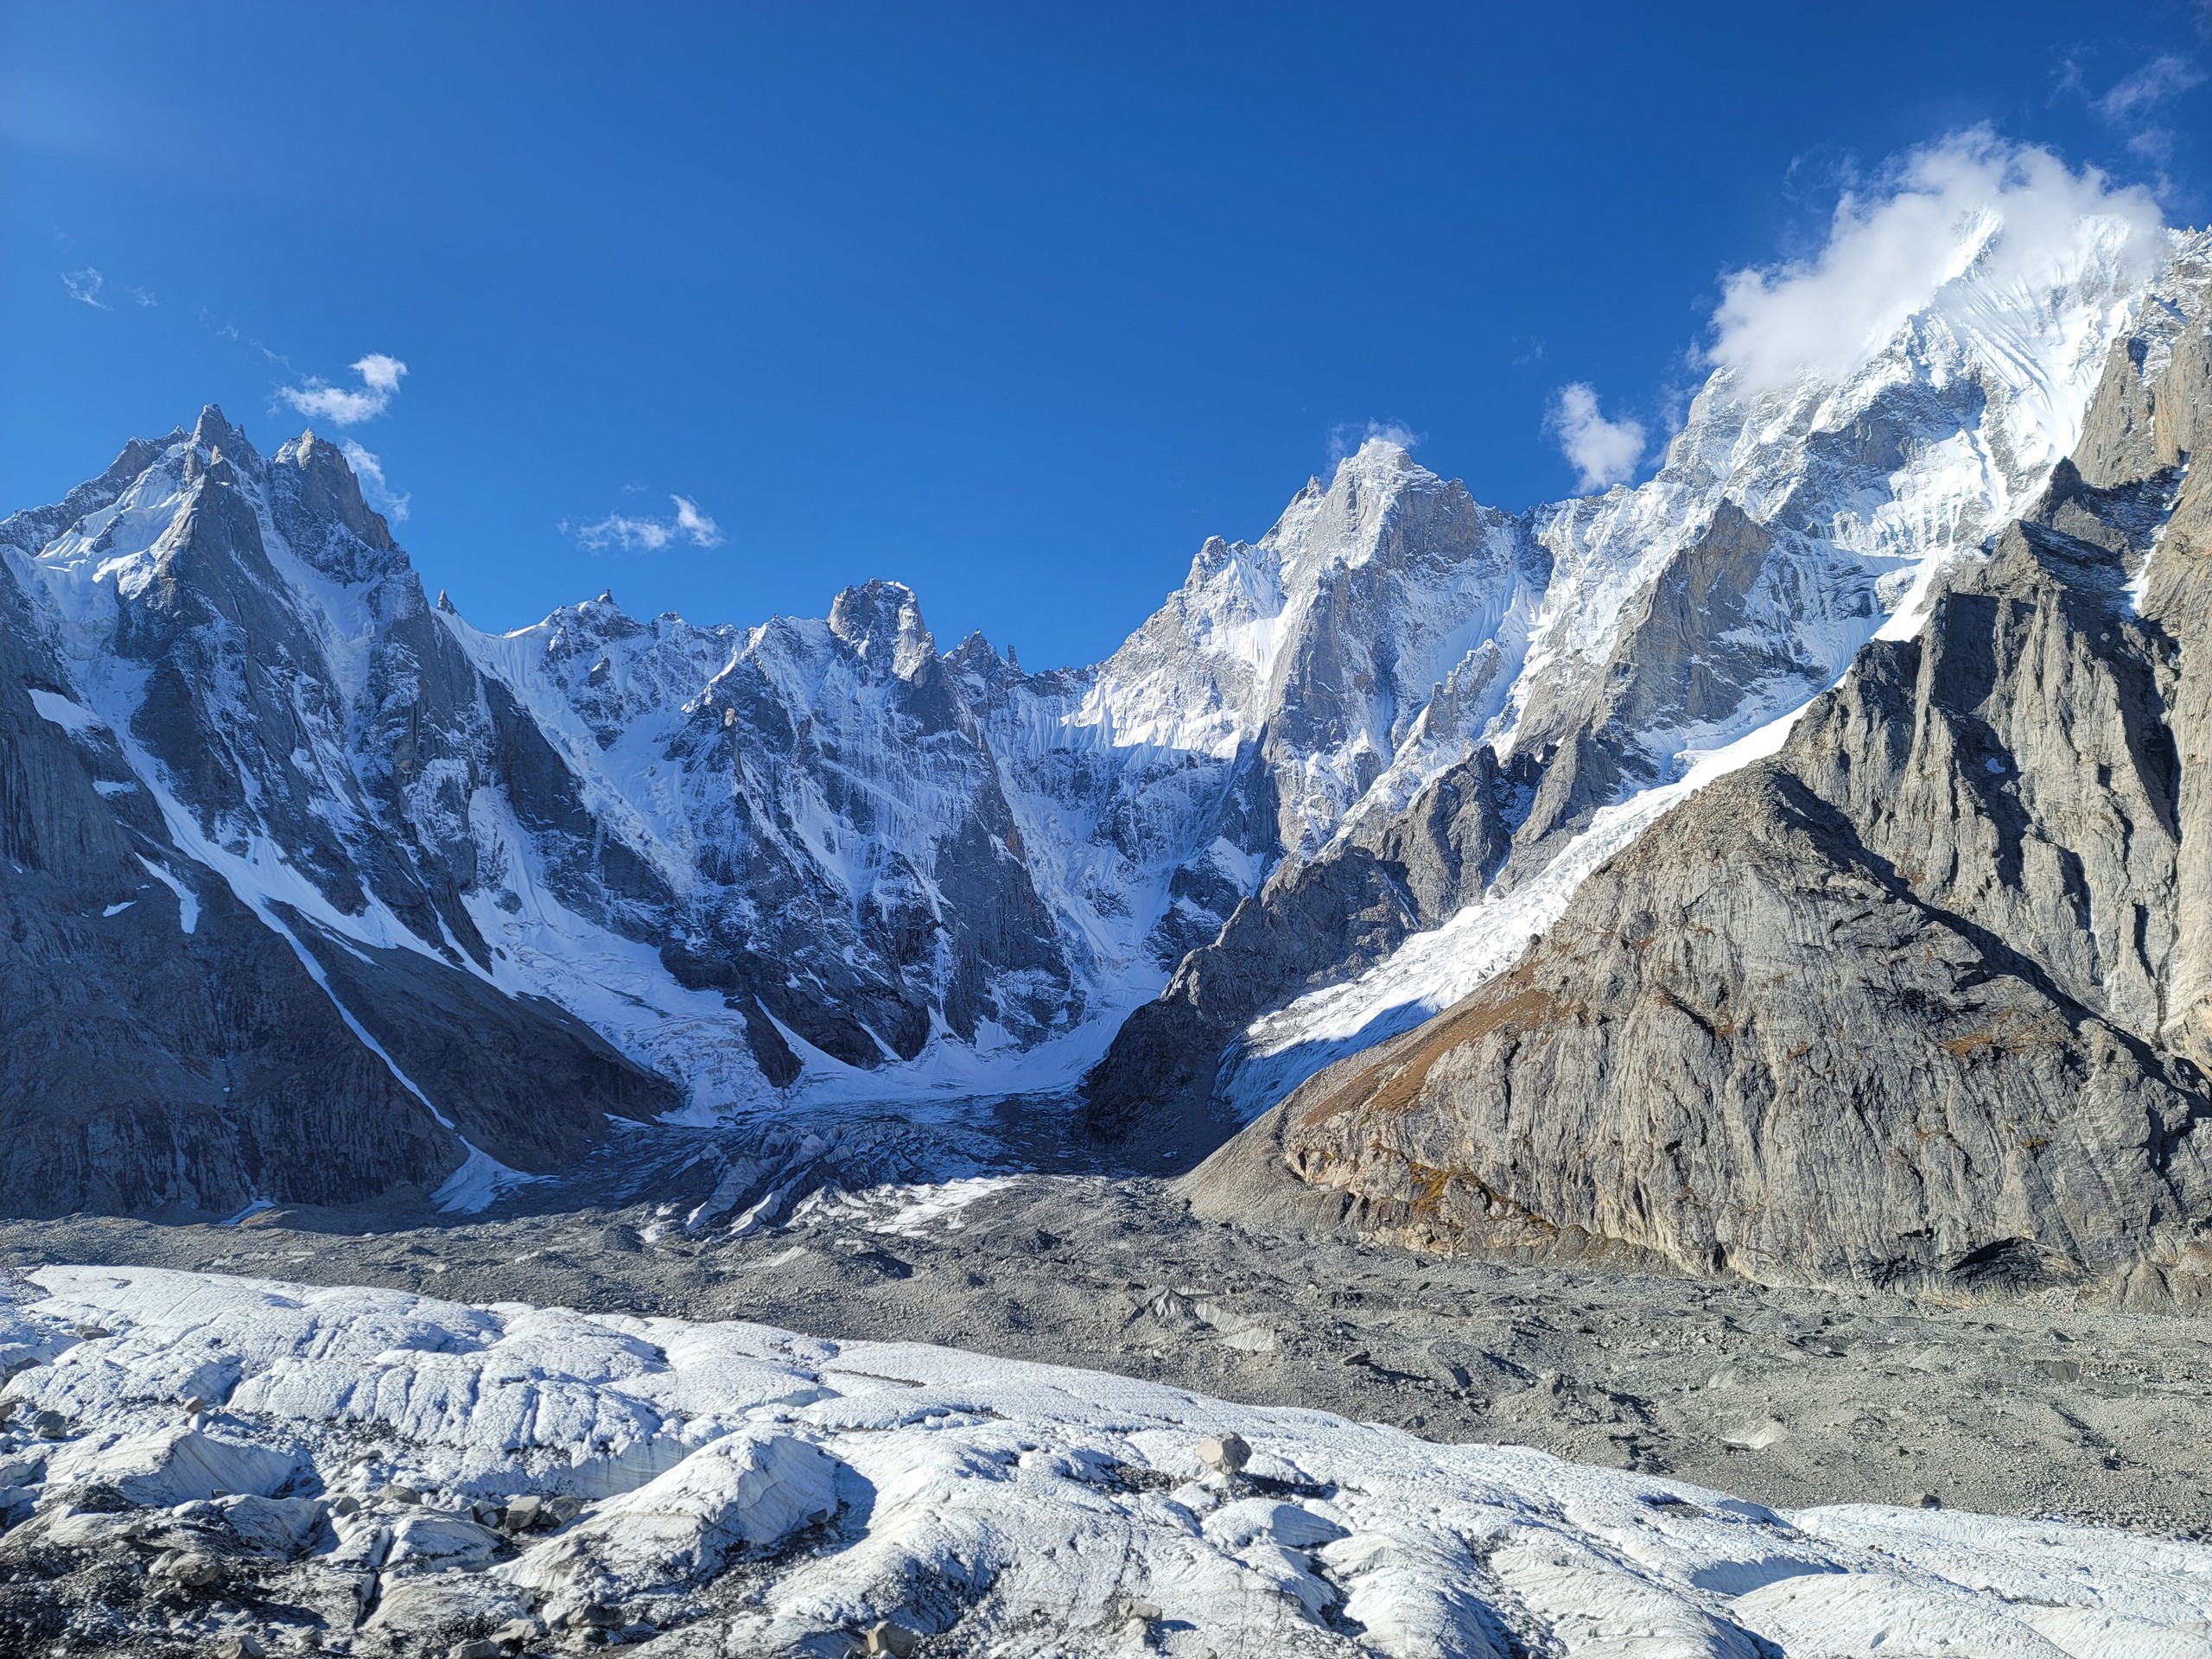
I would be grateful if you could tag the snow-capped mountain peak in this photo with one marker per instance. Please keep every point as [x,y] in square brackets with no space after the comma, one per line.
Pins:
[882,623]
[792,855]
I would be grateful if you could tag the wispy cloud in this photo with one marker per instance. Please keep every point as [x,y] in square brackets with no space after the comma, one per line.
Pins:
[349,405]
[2163,78]
[1971,202]
[634,534]
[1603,453]
[85,287]
[375,489]
[2132,105]
[1347,437]
[91,287]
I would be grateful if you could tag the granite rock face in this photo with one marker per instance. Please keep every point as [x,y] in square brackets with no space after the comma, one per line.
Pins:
[183,1042]
[1662,624]
[1312,924]
[1920,1000]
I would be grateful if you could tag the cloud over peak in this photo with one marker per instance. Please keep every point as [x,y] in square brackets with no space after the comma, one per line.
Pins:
[642,535]
[1348,437]
[349,405]
[1973,203]
[1603,453]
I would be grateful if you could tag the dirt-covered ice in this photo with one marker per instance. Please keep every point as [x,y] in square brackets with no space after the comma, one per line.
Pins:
[194,1456]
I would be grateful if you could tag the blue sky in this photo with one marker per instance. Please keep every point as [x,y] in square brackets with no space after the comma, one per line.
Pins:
[727,306]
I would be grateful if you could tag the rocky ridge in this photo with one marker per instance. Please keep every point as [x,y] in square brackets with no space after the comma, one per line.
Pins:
[1918,1001]
[712,866]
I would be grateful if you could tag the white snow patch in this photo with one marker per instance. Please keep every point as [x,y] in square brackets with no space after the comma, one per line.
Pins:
[188,902]
[913,1210]
[479,1183]
[71,717]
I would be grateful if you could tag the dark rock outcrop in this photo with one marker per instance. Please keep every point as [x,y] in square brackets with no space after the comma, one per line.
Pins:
[1311,925]
[171,1046]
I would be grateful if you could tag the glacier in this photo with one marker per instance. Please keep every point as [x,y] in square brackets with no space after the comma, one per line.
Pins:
[414,1474]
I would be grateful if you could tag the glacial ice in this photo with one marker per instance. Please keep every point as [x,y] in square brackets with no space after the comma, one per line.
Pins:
[757,1492]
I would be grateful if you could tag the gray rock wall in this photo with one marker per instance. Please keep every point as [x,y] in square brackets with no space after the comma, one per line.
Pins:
[1921,1001]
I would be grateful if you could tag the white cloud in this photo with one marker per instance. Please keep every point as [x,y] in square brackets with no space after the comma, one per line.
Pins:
[2153,84]
[375,489]
[1973,203]
[635,535]
[2129,105]
[85,287]
[91,287]
[1604,453]
[1347,436]
[347,405]
[695,524]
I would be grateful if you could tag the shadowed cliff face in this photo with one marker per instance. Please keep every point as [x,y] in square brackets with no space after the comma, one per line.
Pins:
[183,1042]
[1922,1000]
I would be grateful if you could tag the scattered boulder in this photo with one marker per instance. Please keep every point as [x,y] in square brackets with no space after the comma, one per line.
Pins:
[447,1540]
[1756,1435]
[188,1569]
[1126,1609]
[1225,1454]
[533,1512]
[896,1640]
[276,1526]
[243,1645]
